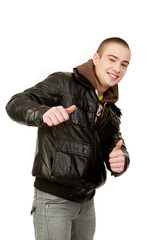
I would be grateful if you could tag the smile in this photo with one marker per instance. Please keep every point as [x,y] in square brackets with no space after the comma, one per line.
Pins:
[113,76]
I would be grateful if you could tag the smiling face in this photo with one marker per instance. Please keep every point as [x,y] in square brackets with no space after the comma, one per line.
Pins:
[111,66]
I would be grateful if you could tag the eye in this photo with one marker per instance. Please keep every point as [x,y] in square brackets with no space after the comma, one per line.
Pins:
[124,65]
[112,60]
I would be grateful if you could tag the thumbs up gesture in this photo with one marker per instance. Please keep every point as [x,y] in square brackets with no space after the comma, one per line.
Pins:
[116,158]
[57,115]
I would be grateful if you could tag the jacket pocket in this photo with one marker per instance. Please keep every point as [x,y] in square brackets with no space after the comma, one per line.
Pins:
[70,163]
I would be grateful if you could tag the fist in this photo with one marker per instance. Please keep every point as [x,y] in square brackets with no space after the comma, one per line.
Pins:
[57,115]
[116,158]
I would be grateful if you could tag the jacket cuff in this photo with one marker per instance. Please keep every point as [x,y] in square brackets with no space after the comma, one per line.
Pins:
[39,114]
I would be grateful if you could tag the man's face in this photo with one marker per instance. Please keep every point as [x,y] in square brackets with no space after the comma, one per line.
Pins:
[112,65]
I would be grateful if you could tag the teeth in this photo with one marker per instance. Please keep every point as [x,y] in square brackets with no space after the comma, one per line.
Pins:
[113,76]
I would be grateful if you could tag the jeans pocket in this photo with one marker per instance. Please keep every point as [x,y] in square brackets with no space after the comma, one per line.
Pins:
[33,210]
[34,204]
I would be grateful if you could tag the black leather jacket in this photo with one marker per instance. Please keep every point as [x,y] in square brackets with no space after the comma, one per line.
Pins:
[73,153]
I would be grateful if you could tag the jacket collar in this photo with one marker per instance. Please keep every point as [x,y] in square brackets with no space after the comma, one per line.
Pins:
[87,75]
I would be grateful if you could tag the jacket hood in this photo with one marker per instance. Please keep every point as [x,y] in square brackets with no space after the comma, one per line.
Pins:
[86,70]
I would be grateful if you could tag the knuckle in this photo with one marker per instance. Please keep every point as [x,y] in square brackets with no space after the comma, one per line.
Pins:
[120,152]
[53,109]
[66,117]
[59,107]
[123,159]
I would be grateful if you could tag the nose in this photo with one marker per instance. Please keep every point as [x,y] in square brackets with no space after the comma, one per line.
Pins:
[117,67]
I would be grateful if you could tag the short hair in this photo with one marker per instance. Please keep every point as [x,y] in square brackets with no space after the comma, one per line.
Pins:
[111,40]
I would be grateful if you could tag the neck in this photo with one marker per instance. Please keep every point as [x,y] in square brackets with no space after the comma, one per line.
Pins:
[100,88]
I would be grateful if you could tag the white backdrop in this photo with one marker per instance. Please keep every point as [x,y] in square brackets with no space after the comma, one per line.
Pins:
[40,37]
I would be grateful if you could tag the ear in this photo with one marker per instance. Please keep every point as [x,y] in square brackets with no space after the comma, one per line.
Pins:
[95,58]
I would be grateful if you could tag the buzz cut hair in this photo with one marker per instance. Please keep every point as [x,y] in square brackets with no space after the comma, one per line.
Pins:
[111,40]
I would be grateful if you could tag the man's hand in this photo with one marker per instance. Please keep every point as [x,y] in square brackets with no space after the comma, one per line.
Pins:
[57,115]
[116,158]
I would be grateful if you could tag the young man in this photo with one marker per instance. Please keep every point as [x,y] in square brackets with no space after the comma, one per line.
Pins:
[78,134]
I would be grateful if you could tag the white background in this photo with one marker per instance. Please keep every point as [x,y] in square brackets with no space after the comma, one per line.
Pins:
[40,37]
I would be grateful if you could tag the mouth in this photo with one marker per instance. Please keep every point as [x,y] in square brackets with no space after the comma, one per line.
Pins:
[113,76]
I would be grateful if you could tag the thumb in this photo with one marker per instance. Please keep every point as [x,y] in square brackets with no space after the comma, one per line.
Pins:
[118,145]
[70,109]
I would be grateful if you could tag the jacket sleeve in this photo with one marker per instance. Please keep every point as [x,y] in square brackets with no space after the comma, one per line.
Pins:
[29,106]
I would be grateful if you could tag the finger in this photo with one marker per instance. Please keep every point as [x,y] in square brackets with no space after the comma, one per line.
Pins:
[61,114]
[117,165]
[70,109]
[54,119]
[118,145]
[116,154]
[117,159]
[118,170]
[48,121]
[64,114]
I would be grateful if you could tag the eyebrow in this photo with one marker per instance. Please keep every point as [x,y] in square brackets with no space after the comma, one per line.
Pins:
[110,55]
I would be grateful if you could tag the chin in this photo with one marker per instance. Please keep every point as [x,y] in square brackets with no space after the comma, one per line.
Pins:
[112,84]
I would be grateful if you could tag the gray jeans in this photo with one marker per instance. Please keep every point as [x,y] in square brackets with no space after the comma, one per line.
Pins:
[58,219]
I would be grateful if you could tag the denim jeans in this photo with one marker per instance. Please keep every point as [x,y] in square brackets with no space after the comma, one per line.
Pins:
[58,219]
